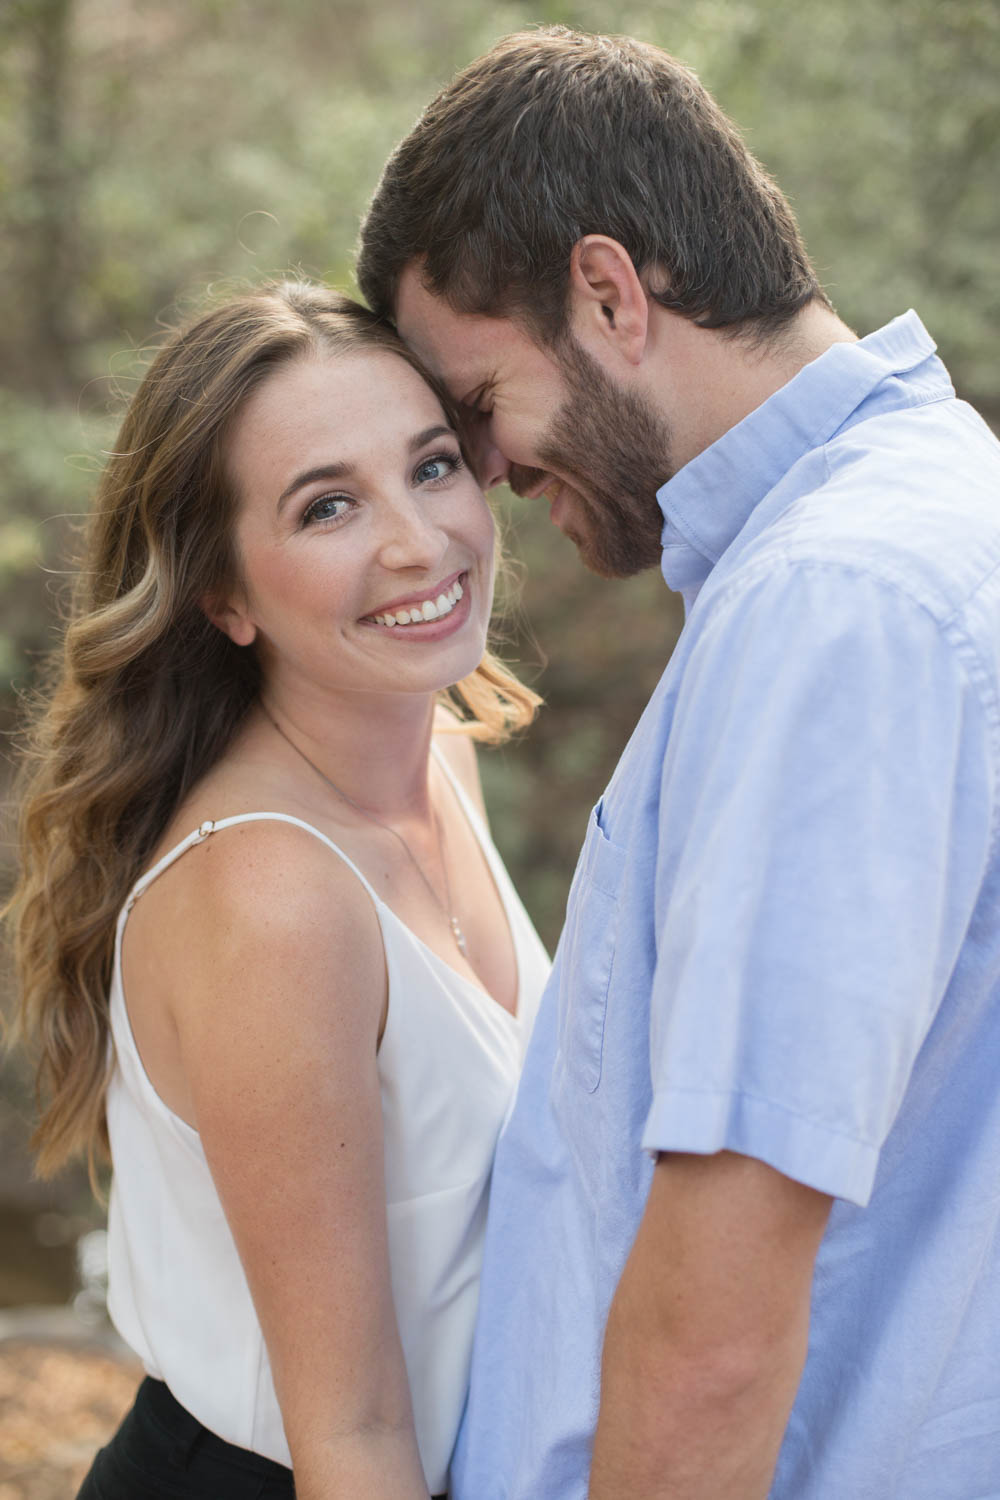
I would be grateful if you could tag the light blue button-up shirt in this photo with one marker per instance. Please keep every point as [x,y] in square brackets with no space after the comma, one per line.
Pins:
[783,938]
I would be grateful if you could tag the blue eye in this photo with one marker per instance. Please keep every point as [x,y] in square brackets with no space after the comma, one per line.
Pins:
[325,509]
[435,470]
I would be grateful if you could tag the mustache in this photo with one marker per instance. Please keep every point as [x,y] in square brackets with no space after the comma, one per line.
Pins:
[521,479]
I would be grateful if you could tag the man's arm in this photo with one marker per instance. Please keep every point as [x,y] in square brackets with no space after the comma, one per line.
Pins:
[707,1334]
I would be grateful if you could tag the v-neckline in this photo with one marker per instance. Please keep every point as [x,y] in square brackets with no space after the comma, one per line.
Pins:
[481,836]
[472,984]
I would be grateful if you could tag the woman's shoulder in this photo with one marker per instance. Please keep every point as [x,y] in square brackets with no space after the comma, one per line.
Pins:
[258,830]
[253,891]
[262,862]
[257,921]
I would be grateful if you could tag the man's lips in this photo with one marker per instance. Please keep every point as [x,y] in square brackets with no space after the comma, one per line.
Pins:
[537,484]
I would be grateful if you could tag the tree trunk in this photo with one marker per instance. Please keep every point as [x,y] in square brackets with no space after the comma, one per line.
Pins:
[51,196]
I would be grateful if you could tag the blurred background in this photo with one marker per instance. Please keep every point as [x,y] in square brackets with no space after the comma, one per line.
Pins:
[150,149]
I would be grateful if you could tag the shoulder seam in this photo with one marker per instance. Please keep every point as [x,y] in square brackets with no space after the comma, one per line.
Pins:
[950,627]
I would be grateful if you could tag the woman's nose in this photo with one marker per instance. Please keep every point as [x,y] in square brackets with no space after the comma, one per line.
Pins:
[411,538]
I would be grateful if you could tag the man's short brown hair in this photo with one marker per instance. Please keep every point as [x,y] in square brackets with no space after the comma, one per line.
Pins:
[554,134]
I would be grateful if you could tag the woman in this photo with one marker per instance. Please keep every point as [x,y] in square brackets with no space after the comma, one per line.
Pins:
[255,860]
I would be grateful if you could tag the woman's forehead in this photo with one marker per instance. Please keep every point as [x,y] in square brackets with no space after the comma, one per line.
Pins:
[340,407]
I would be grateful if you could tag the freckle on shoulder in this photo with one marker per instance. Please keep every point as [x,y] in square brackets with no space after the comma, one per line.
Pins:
[270,872]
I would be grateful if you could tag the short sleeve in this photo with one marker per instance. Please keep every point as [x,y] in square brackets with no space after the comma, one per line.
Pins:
[826,818]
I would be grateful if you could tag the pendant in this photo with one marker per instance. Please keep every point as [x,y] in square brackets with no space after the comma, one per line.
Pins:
[458,935]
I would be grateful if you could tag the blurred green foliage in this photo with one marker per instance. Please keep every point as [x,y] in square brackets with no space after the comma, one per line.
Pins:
[148,149]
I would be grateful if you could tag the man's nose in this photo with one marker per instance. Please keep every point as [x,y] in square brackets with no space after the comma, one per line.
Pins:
[488,463]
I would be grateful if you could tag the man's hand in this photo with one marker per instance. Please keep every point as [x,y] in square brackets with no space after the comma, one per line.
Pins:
[707,1334]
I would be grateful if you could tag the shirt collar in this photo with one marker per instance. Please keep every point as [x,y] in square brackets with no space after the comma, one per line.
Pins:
[708,502]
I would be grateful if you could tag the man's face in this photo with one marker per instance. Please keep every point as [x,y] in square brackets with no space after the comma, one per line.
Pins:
[549,423]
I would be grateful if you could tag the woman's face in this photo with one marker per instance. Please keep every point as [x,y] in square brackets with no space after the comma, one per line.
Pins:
[355,512]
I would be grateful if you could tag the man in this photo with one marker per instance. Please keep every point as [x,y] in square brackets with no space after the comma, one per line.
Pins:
[743,1233]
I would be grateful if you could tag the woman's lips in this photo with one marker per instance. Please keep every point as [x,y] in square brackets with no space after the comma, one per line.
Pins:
[450,608]
[433,591]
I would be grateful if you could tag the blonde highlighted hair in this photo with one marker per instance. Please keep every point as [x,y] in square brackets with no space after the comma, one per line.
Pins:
[145,693]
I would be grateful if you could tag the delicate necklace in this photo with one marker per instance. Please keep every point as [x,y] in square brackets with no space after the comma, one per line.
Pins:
[453,922]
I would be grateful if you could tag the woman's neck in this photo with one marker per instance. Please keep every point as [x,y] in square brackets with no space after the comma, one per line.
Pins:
[373,749]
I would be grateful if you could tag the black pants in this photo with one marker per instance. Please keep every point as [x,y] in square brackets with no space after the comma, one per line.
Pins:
[161,1452]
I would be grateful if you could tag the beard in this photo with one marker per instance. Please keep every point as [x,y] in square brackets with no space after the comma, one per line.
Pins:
[626,445]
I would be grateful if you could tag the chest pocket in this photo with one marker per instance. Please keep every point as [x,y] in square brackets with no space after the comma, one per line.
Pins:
[589,954]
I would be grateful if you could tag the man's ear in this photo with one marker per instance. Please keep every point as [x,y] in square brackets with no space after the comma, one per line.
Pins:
[608,304]
[231,617]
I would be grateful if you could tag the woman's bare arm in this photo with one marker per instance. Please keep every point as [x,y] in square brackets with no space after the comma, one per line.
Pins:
[279,999]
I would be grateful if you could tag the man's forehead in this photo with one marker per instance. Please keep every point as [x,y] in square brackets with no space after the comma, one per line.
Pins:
[457,346]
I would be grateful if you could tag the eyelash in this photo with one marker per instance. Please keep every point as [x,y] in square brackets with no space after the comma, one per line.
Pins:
[454,462]
[309,516]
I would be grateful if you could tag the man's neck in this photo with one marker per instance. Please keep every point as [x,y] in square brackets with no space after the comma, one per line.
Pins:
[708,381]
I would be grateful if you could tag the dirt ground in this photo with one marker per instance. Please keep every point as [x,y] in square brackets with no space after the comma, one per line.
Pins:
[58,1404]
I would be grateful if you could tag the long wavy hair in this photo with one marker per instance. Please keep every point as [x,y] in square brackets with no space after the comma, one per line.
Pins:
[145,694]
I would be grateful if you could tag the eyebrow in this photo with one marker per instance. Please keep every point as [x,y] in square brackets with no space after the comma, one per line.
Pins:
[344,471]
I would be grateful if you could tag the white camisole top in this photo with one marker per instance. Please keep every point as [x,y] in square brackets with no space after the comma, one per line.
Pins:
[448,1064]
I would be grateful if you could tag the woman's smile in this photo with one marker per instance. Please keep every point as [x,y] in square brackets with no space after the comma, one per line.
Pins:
[437,606]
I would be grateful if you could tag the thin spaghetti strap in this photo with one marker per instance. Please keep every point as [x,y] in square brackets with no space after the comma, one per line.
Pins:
[465,802]
[206,829]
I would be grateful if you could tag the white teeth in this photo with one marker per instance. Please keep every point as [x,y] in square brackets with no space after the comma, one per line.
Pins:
[430,609]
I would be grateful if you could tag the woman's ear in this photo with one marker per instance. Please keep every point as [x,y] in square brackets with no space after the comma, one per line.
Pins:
[231,617]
